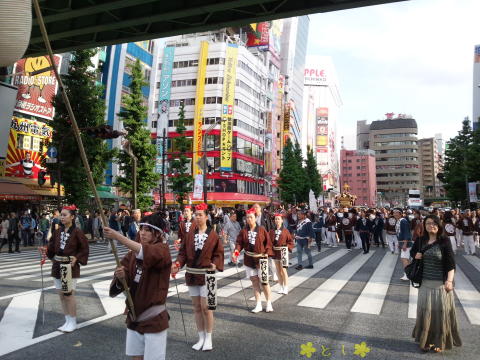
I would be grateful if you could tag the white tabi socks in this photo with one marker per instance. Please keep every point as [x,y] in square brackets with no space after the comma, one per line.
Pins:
[207,345]
[258,308]
[201,340]
[66,323]
[71,324]
[269,307]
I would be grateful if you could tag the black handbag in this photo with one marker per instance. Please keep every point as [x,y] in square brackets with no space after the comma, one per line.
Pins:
[414,270]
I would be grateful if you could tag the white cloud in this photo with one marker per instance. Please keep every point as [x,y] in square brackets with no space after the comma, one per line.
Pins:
[408,57]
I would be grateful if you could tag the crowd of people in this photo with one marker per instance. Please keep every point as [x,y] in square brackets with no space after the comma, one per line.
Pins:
[262,238]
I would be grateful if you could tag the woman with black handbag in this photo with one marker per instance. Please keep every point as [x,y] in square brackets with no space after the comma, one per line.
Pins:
[436,327]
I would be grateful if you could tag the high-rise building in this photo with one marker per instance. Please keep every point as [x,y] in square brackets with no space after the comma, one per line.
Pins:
[116,79]
[431,164]
[322,104]
[363,135]
[294,51]
[476,88]
[251,89]
[359,172]
[394,141]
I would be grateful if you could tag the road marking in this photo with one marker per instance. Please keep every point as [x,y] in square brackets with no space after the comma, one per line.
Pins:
[325,293]
[475,261]
[373,295]
[468,295]
[18,322]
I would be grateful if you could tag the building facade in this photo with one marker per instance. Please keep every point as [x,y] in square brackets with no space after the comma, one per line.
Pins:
[394,141]
[322,103]
[181,60]
[476,88]
[431,165]
[358,170]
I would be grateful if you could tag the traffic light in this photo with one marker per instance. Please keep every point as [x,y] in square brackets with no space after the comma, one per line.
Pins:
[104,132]
[41,177]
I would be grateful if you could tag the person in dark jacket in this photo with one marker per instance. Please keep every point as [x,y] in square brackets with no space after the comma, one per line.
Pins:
[364,227]
[436,327]
[378,226]
[318,226]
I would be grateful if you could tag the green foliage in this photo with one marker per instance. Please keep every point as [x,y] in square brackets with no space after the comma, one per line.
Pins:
[292,181]
[182,181]
[313,176]
[89,108]
[134,114]
[461,162]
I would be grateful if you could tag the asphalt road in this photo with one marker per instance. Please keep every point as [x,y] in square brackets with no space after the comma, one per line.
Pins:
[318,310]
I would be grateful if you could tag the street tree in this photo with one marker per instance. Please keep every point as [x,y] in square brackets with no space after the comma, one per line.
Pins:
[312,174]
[303,182]
[291,176]
[457,159]
[182,180]
[133,114]
[88,105]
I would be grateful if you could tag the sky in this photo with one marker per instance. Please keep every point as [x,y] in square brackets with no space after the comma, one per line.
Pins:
[413,57]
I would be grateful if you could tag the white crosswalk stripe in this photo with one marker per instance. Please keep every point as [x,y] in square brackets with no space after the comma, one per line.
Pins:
[22,312]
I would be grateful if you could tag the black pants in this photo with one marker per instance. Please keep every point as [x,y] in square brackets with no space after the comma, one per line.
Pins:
[377,237]
[365,241]
[318,240]
[348,239]
[3,242]
[13,239]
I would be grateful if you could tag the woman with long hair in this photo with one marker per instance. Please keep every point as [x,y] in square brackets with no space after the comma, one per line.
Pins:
[68,249]
[146,270]
[281,237]
[436,327]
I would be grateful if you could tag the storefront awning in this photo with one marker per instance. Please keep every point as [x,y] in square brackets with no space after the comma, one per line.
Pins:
[10,190]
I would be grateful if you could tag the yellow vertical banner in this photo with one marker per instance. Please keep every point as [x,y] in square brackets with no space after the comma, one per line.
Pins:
[228,102]
[198,115]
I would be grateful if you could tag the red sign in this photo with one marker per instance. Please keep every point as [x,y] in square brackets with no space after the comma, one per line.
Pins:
[35,92]
[259,36]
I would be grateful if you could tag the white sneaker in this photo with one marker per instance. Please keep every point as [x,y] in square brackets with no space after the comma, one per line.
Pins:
[71,325]
[42,100]
[64,325]
[269,307]
[280,291]
[207,345]
[404,277]
[201,340]
[285,290]
[257,308]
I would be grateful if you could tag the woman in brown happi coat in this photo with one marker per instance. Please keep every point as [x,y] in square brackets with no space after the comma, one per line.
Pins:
[280,237]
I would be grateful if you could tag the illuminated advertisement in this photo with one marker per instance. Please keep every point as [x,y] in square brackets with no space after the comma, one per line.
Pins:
[226,138]
[25,147]
[321,121]
[35,92]
[198,115]
[259,36]
[164,102]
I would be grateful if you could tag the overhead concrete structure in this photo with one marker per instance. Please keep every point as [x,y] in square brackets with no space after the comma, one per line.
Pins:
[81,24]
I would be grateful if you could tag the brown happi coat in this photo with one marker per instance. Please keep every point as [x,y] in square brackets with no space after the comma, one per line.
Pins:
[391,229]
[211,253]
[263,245]
[469,227]
[152,289]
[347,225]
[182,229]
[76,245]
[285,239]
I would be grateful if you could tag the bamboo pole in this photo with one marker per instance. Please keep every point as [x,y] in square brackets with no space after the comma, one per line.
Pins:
[76,133]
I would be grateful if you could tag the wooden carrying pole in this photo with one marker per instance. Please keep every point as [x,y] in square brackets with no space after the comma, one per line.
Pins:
[76,132]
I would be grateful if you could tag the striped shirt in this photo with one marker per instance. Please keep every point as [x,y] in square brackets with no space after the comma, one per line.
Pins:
[433,264]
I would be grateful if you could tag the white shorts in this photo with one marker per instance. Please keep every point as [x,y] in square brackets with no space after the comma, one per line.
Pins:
[405,254]
[58,284]
[198,290]
[152,346]
[250,272]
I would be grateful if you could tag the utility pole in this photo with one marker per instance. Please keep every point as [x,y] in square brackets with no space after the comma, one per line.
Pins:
[163,189]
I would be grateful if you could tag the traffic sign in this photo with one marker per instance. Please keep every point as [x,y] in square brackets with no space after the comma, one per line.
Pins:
[52,152]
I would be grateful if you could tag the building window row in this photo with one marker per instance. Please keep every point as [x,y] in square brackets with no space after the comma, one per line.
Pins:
[245,106]
[395,159]
[397,183]
[396,174]
[386,136]
[392,167]
[394,143]
[395,151]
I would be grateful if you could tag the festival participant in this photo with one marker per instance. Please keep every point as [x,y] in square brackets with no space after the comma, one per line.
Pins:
[201,251]
[304,237]
[449,230]
[68,249]
[146,271]
[404,236]
[347,226]
[331,225]
[281,241]
[390,226]
[255,241]
[364,228]
[186,226]
[468,228]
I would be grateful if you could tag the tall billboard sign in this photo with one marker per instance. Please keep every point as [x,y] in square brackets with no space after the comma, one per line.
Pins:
[164,103]
[230,76]
[26,146]
[315,76]
[259,35]
[36,91]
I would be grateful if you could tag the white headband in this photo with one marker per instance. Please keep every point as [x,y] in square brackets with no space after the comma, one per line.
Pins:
[152,226]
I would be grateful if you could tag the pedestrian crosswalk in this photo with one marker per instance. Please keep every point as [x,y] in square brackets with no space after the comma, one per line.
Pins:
[318,290]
